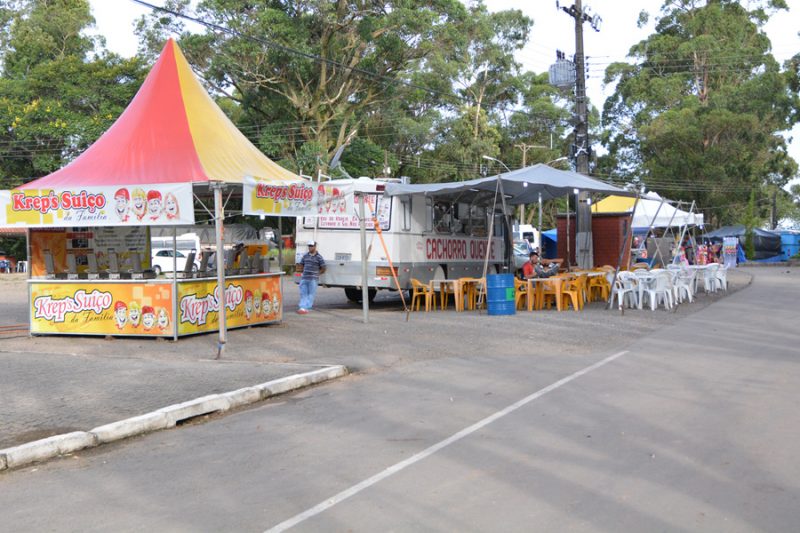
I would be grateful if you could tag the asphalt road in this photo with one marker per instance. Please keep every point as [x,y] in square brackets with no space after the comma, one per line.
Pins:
[686,426]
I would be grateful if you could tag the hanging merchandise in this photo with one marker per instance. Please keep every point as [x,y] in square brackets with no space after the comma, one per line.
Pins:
[729,251]
[702,254]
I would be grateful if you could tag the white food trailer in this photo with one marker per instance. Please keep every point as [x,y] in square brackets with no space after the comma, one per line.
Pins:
[426,236]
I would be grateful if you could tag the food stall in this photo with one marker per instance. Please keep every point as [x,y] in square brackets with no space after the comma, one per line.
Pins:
[171,154]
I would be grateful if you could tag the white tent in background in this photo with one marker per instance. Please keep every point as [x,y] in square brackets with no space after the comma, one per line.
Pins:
[651,211]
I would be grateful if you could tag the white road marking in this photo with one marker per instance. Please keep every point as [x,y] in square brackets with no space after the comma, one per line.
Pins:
[397,467]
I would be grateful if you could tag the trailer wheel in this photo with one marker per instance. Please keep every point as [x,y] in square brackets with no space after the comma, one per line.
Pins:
[354,295]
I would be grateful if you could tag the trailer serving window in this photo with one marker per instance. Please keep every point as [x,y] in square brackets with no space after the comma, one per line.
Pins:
[405,204]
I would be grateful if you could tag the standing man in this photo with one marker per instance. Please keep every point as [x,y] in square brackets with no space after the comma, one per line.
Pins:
[311,265]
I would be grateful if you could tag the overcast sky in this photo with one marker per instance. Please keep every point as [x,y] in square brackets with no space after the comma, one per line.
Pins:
[553,29]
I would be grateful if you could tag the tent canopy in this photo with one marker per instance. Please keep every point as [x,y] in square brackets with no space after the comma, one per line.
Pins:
[171,132]
[521,186]
[650,211]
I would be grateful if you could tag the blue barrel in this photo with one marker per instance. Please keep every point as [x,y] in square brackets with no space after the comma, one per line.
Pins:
[500,294]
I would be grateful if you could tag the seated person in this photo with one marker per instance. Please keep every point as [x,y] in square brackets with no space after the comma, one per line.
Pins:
[534,269]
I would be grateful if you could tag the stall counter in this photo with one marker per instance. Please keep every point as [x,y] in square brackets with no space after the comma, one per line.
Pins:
[151,307]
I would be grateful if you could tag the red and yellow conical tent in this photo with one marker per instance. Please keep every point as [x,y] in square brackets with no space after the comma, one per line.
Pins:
[172,132]
[171,138]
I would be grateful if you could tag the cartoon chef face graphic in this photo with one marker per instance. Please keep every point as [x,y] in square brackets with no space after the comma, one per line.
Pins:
[139,203]
[148,317]
[257,303]
[266,303]
[135,314]
[121,314]
[122,200]
[163,319]
[248,304]
[154,204]
[171,206]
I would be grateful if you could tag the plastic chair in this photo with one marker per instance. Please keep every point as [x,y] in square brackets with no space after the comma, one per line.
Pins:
[660,290]
[473,291]
[638,266]
[682,282]
[710,282]
[572,293]
[599,288]
[722,277]
[551,291]
[520,293]
[420,291]
[446,289]
[626,289]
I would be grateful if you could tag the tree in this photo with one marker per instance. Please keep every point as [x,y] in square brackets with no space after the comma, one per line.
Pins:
[313,69]
[60,89]
[698,115]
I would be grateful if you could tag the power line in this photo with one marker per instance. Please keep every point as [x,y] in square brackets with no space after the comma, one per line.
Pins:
[313,57]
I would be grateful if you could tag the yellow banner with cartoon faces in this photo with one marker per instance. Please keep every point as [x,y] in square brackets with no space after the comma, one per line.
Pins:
[248,301]
[102,308]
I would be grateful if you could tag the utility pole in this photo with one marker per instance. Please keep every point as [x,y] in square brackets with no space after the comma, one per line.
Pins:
[525,147]
[583,235]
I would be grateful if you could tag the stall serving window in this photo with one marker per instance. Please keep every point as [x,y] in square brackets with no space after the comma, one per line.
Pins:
[477,222]
[443,217]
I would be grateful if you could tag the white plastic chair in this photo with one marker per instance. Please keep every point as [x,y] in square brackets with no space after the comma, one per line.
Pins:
[710,283]
[627,290]
[660,290]
[683,283]
[722,277]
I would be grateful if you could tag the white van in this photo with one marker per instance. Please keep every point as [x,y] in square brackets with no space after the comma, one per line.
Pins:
[526,232]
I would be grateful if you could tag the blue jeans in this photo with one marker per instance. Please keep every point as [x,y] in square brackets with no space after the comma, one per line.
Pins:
[308,291]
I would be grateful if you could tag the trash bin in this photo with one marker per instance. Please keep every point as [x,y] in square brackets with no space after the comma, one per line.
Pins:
[500,294]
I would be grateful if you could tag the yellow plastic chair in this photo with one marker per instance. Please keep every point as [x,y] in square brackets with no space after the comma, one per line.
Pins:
[419,292]
[472,291]
[599,288]
[520,293]
[551,292]
[572,293]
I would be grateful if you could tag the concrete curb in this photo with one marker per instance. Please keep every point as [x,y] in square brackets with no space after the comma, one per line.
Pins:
[166,417]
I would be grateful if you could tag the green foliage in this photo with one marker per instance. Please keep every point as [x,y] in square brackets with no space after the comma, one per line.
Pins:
[58,94]
[698,117]
[14,247]
[319,101]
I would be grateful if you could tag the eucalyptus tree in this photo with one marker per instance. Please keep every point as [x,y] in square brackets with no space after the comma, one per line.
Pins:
[698,113]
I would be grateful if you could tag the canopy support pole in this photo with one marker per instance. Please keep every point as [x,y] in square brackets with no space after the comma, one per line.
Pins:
[174,282]
[220,253]
[625,244]
[508,238]
[540,225]
[569,262]
[362,217]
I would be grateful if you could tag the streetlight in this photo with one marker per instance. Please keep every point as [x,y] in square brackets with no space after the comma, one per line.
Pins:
[562,158]
[490,158]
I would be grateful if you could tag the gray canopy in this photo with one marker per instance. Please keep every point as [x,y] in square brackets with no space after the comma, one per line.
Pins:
[520,186]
